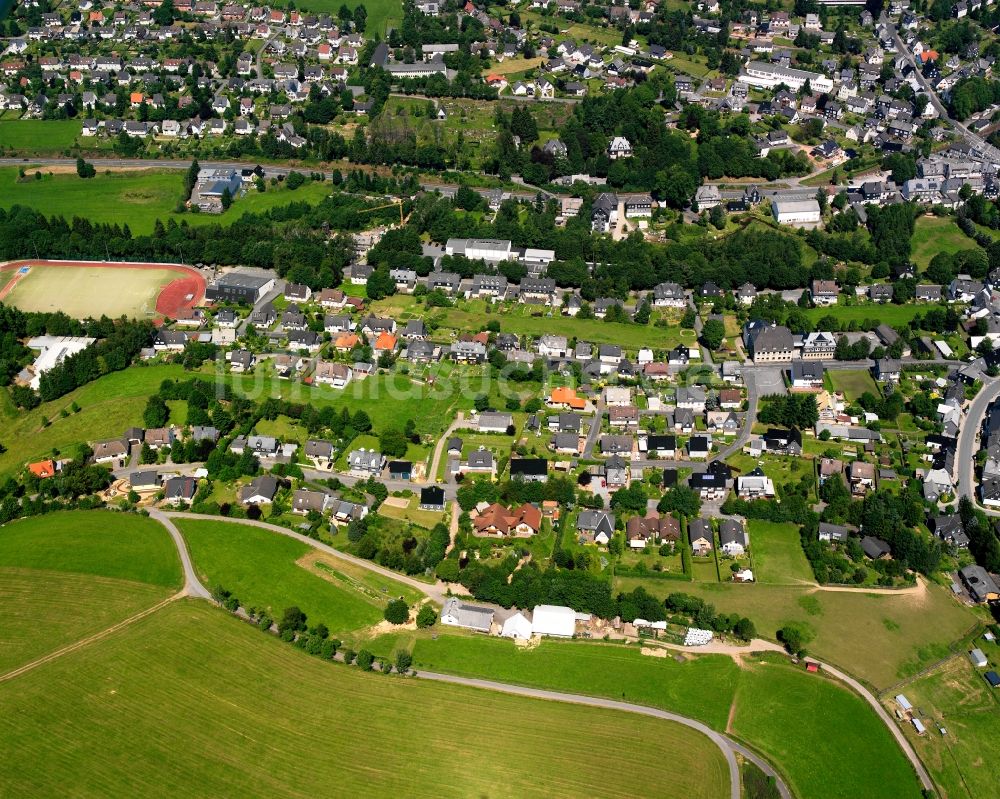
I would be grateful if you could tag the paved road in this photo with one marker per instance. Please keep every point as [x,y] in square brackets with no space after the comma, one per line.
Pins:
[192,585]
[436,592]
[968,436]
[726,746]
[458,423]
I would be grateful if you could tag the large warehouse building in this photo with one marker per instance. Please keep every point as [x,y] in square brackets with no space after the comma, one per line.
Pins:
[239,287]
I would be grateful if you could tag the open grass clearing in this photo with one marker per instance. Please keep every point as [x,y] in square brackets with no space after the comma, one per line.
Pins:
[934,234]
[45,610]
[956,697]
[133,197]
[107,406]
[880,638]
[38,135]
[827,740]
[853,382]
[90,291]
[357,578]
[889,314]
[189,701]
[777,553]
[261,568]
[121,546]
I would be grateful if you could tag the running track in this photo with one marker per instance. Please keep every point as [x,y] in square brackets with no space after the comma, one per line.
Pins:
[179,295]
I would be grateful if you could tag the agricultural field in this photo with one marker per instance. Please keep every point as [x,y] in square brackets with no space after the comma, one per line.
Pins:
[705,687]
[777,554]
[68,575]
[826,738]
[880,638]
[189,700]
[39,136]
[119,546]
[262,569]
[956,697]
[135,197]
[853,382]
[89,291]
[933,234]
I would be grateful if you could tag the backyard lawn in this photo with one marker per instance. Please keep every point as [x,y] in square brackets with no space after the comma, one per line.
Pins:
[892,315]
[853,382]
[934,234]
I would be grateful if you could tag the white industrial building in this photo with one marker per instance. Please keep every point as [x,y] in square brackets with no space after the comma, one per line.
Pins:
[796,212]
[518,627]
[53,350]
[767,76]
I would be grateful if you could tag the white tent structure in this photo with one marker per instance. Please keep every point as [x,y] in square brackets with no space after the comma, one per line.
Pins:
[517,627]
[553,620]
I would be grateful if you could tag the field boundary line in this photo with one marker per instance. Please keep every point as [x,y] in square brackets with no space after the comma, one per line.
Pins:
[69,648]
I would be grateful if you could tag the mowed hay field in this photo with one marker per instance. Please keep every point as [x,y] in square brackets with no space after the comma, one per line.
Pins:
[67,575]
[190,702]
[880,638]
[958,698]
[260,567]
[781,710]
[82,291]
[789,727]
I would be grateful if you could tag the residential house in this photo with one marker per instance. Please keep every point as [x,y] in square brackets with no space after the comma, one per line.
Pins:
[733,538]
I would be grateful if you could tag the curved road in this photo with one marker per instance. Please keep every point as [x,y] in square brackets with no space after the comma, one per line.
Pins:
[192,585]
[436,591]
[728,747]
[965,457]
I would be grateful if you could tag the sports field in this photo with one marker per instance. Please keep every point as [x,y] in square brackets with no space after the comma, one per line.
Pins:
[190,702]
[114,290]
[260,567]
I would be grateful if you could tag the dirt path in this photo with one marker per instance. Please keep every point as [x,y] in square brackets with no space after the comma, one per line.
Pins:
[10,675]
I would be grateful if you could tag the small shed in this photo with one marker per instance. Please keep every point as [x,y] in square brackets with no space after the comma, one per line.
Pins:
[993,679]
[903,702]
[978,658]
[918,725]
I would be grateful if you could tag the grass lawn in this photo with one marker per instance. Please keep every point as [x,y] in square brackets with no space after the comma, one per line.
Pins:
[135,197]
[412,513]
[89,291]
[191,702]
[260,568]
[284,427]
[853,382]
[703,570]
[39,136]
[108,405]
[807,724]
[777,554]
[121,546]
[511,66]
[879,638]
[956,697]
[933,234]
[892,315]
[45,610]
